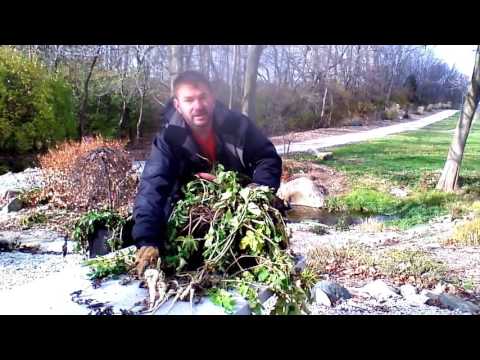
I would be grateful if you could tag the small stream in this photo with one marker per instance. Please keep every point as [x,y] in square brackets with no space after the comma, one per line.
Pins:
[300,213]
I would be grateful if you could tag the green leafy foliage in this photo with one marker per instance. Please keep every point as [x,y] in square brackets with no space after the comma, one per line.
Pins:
[106,267]
[88,223]
[222,298]
[35,106]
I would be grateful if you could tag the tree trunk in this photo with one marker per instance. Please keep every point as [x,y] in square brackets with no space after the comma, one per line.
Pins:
[323,105]
[139,122]
[83,110]
[449,178]
[248,103]
[331,111]
[122,122]
[175,64]
[232,78]
[188,57]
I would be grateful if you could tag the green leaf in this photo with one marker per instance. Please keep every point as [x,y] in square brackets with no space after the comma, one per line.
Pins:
[222,298]
[263,275]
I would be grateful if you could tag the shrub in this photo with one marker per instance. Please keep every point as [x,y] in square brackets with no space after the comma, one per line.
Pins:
[390,114]
[91,174]
[35,106]
[467,233]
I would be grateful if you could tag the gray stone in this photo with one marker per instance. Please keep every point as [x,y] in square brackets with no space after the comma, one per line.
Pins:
[399,192]
[14,205]
[324,155]
[455,303]
[321,298]
[407,290]
[8,243]
[410,294]
[379,290]
[333,290]
[432,297]
[300,264]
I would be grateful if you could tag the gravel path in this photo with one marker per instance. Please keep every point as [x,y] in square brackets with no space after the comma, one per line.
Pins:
[400,306]
[19,181]
[18,268]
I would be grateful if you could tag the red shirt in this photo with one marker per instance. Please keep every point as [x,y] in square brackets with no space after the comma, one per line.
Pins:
[207,145]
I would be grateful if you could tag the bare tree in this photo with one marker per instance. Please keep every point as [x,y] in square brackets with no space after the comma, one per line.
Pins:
[82,115]
[233,75]
[449,178]
[126,91]
[142,80]
[248,103]
[176,64]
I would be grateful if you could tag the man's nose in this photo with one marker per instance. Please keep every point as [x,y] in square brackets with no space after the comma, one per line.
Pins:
[198,104]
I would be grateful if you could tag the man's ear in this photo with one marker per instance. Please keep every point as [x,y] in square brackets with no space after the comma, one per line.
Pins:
[176,104]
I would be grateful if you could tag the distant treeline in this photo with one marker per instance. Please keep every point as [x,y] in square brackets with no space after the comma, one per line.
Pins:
[49,93]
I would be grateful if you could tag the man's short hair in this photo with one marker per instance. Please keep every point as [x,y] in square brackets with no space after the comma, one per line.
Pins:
[190,77]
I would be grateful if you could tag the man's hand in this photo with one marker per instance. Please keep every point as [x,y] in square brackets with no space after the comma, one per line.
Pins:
[277,203]
[280,205]
[146,256]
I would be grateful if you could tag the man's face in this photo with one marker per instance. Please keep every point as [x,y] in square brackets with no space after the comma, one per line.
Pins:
[195,103]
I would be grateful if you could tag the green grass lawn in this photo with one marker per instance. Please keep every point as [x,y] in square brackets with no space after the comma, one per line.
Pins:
[405,158]
[413,160]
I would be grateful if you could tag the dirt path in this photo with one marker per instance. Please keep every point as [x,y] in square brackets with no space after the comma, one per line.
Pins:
[326,140]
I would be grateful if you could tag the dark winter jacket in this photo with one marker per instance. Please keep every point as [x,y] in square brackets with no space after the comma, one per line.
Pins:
[175,158]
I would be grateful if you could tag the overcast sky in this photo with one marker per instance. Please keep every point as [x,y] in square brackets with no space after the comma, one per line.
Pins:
[462,56]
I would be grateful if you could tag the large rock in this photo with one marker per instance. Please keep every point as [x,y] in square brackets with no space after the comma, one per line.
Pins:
[9,201]
[320,297]
[302,191]
[379,290]
[455,303]
[334,291]
[323,155]
[13,205]
[420,110]
[410,294]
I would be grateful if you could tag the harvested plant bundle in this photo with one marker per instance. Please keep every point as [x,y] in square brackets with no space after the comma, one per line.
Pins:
[234,239]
